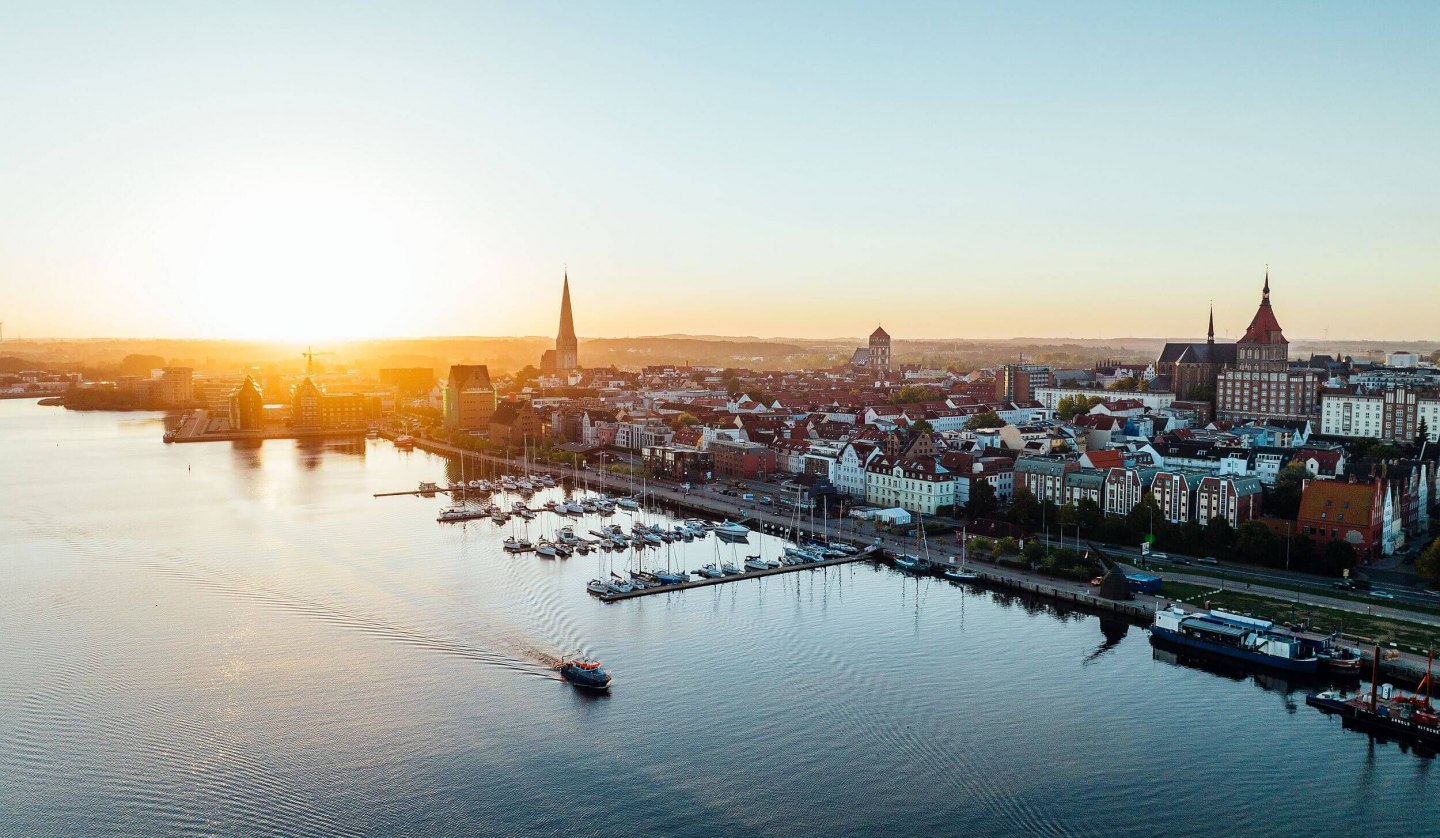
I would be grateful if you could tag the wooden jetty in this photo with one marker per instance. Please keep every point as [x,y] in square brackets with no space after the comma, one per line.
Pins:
[867,554]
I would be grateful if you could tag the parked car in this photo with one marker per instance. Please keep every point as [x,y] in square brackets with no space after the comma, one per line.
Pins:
[1382,595]
[747,496]
[1207,560]
[1343,585]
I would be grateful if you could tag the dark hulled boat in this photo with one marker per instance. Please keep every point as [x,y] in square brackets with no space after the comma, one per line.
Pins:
[1407,718]
[585,673]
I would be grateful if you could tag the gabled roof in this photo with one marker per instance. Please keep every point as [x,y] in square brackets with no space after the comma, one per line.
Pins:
[879,333]
[1330,497]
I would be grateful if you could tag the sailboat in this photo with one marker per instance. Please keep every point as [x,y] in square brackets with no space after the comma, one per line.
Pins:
[961,573]
[919,563]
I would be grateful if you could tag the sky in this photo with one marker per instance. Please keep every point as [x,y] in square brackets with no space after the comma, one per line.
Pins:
[307,171]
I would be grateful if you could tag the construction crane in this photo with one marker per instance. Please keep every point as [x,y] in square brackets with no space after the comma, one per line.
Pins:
[309,356]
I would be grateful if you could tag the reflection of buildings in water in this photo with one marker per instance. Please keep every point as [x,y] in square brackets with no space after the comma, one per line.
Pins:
[311,451]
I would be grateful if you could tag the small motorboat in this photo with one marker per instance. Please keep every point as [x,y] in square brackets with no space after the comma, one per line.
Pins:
[756,563]
[585,673]
[711,571]
[730,569]
[730,529]
[597,587]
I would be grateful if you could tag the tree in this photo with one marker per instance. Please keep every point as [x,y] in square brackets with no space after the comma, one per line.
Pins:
[920,426]
[1006,545]
[1066,515]
[983,502]
[1128,384]
[1339,557]
[1428,565]
[1024,509]
[1218,534]
[1422,433]
[989,419]
[1284,500]
[1254,543]
[527,374]
[687,419]
[1034,550]
[140,365]
[1088,515]
[914,393]
[1071,406]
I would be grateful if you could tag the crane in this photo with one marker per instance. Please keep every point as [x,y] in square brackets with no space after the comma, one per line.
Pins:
[309,356]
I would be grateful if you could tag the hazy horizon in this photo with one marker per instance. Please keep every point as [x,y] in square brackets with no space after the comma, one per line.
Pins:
[313,173]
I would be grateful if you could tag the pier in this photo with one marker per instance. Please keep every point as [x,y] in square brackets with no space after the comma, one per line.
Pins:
[864,555]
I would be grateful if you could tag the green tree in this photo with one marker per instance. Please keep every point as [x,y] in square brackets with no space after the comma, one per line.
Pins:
[1024,509]
[1254,543]
[1006,545]
[920,426]
[1284,500]
[1071,406]
[1339,556]
[1142,516]
[913,393]
[989,419]
[1034,550]
[525,375]
[1088,515]
[983,502]
[687,419]
[1066,515]
[1428,565]
[1219,535]
[1127,384]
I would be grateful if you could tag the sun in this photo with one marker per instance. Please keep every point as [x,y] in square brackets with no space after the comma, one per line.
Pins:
[302,259]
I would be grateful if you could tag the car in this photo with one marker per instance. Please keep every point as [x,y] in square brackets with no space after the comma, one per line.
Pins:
[1343,585]
[1158,557]
[1382,595]
[1207,560]
[747,496]
[766,499]
[1097,581]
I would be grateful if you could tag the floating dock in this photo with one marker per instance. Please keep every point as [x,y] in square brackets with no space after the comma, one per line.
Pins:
[867,554]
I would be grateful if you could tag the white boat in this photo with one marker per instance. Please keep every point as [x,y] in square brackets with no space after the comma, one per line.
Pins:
[597,587]
[545,549]
[756,563]
[628,503]
[517,545]
[732,529]
[428,486]
[711,571]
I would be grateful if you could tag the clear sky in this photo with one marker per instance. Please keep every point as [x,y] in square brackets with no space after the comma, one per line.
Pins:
[309,170]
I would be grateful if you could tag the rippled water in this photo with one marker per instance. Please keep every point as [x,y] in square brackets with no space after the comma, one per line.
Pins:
[237,640]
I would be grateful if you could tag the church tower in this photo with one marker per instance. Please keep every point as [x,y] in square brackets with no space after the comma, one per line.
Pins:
[567,348]
[1264,347]
[879,357]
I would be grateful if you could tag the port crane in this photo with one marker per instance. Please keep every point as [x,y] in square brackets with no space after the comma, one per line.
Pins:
[309,356]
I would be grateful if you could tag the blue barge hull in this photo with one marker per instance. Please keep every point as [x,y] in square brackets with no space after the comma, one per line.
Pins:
[1306,667]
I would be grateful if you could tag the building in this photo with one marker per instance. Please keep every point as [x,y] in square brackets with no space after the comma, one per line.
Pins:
[469,398]
[1194,367]
[879,354]
[247,407]
[1123,489]
[409,382]
[1174,493]
[1395,414]
[566,355]
[1332,510]
[1232,499]
[314,409]
[1018,382]
[1044,477]
[738,458]
[850,467]
[918,485]
[176,387]
[515,424]
[1262,385]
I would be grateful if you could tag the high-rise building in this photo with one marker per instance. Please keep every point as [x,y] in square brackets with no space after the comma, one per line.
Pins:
[1262,386]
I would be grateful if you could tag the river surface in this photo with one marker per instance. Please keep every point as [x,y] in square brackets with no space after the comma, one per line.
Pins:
[236,639]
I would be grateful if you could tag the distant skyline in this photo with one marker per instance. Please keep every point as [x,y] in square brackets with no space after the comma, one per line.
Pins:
[331,171]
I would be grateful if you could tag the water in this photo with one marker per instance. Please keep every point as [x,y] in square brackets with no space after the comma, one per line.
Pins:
[237,640]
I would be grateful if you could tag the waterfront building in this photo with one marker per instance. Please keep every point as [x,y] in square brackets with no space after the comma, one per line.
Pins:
[1044,477]
[1355,513]
[515,424]
[247,406]
[469,401]
[175,387]
[739,458]
[919,484]
[1123,489]
[1262,385]
[1233,499]
[850,466]
[314,409]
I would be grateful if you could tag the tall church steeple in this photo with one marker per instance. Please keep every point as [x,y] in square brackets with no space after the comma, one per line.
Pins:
[1210,336]
[567,348]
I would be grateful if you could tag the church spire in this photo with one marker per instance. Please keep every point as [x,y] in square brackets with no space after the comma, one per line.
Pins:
[566,346]
[1210,338]
[1265,295]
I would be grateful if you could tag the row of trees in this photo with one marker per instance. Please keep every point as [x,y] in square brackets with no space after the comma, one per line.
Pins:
[1252,542]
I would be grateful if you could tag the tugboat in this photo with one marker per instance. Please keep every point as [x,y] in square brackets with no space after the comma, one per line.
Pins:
[585,673]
